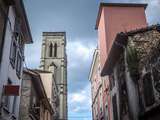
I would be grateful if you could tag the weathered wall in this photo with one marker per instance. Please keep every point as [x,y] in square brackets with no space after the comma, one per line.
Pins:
[147,46]
[47,80]
[25,97]
[3,20]
[6,69]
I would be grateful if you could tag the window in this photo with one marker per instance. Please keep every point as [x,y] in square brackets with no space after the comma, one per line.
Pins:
[20,42]
[47,116]
[148,89]
[55,50]
[114,103]
[19,65]
[112,81]
[13,51]
[106,113]
[50,50]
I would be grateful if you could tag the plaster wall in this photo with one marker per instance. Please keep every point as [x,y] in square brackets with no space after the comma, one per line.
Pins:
[47,82]
[6,70]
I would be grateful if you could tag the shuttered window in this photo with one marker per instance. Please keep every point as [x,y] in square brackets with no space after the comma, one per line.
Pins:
[148,89]
[13,52]
[114,102]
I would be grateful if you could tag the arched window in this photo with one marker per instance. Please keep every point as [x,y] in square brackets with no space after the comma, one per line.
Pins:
[55,50]
[50,50]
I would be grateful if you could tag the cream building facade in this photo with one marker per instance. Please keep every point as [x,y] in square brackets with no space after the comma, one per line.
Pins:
[51,89]
[34,103]
[54,59]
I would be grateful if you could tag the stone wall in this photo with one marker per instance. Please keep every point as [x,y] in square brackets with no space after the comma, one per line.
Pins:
[139,95]
[25,98]
[147,45]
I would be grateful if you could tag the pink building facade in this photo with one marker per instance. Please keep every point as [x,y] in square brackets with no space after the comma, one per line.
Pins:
[99,90]
[114,18]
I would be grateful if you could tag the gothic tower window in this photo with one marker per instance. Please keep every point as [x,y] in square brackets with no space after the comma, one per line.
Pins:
[55,50]
[50,50]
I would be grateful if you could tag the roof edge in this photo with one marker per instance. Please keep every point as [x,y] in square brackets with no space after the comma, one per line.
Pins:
[27,23]
[93,63]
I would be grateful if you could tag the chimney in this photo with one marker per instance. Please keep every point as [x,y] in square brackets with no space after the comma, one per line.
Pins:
[114,18]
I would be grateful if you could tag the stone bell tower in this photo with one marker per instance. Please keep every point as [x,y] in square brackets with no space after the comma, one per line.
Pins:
[54,53]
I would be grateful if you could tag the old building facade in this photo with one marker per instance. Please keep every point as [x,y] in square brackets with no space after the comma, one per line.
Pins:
[99,90]
[15,34]
[134,67]
[112,19]
[54,59]
[34,103]
[4,6]
[129,56]
[49,83]
[96,87]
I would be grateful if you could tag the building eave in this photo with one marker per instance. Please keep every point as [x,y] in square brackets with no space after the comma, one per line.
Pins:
[93,63]
[39,86]
[20,9]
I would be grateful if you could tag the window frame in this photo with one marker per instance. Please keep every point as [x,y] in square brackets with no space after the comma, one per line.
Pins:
[19,64]
[13,52]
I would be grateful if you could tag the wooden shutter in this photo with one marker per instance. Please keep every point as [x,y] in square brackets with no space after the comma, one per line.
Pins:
[148,89]
[114,102]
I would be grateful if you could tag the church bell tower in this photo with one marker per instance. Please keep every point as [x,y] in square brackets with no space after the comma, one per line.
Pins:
[54,59]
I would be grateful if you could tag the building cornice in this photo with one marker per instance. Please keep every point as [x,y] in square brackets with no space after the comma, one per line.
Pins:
[95,56]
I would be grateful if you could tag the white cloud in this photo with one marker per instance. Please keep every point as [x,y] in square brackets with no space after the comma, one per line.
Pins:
[76,109]
[80,100]
[78,97]
[79,52]
[82,96]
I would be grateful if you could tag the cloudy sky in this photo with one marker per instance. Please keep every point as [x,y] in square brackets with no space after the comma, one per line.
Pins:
[77,18]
